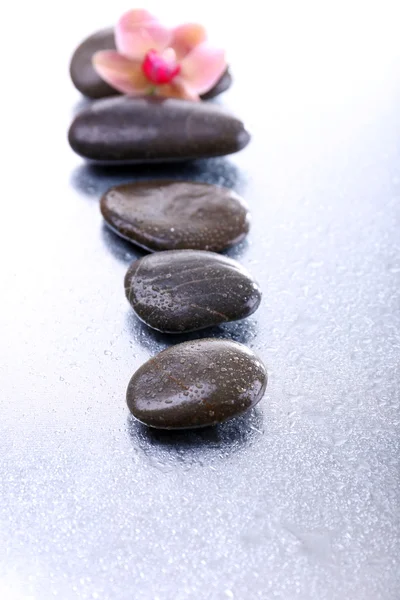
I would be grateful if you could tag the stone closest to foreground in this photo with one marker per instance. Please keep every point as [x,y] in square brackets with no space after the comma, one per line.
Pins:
[168,215]
[124,130]
[186,290]
[196,384]
[89,83]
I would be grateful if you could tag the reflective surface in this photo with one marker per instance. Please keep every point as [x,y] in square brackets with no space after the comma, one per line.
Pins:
[297,500]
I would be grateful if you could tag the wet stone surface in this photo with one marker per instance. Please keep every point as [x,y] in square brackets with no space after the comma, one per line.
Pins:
[168,215]
[186,290]
[196,384]
[125,130]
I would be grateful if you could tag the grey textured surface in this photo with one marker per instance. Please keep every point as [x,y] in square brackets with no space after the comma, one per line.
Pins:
[299,500]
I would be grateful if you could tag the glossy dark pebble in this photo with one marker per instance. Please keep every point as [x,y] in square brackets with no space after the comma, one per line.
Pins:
[83,75]
[196,384]
[186,290]
[89,83]
[168,215]
[152,129]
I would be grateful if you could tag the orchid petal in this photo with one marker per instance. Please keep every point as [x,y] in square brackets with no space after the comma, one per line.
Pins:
[121,73]
[177,89]
[203,67]
[186,37]
[138,31]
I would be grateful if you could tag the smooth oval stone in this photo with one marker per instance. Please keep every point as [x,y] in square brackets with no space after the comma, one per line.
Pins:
[168,215]
[82,72]
[153,129]
[89,83]
[186,290]
[196,384]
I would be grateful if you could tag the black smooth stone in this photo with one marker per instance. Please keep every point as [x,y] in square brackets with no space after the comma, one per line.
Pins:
[125,130]
[168,215]
[82,72]
[196,384]
[89,83]
[186,290]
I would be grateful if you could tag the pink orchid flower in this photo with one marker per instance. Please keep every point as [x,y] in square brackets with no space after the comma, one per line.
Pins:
[152,59]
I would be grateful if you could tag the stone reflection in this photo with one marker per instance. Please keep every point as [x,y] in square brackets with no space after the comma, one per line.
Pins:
[94,180]
[153,341]
[187,448]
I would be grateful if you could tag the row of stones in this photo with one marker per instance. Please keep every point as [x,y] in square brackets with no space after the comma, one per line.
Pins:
[182,290]
[187,286]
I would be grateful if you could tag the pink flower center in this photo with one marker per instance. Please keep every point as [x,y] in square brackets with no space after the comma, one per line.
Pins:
[157,69]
